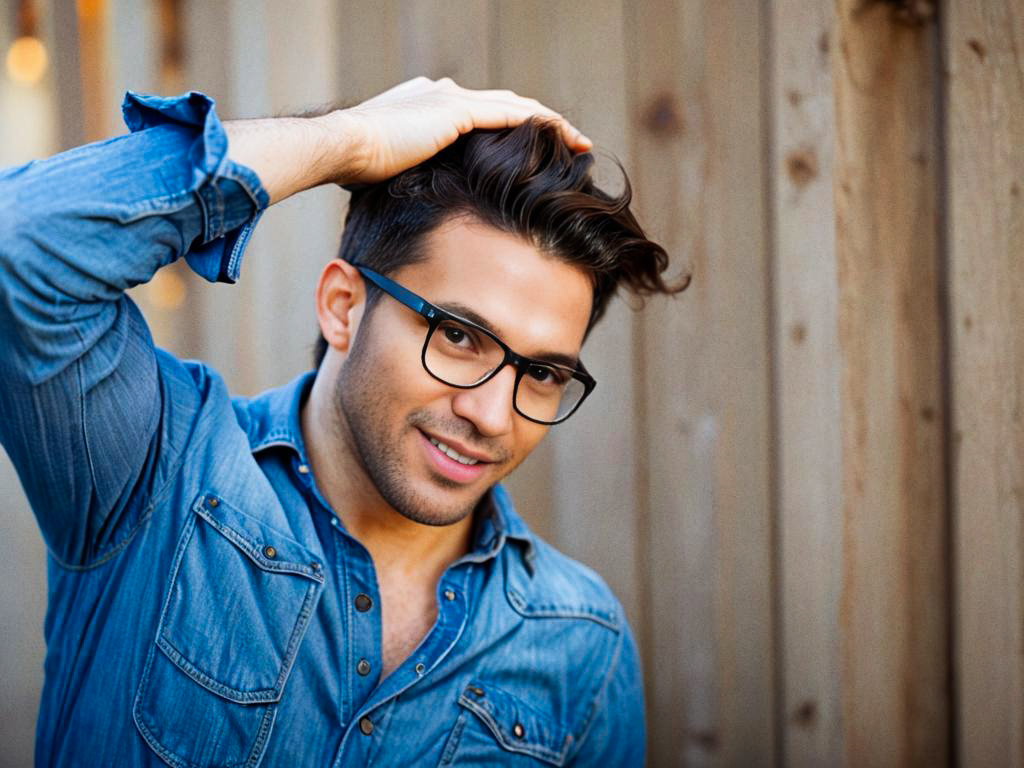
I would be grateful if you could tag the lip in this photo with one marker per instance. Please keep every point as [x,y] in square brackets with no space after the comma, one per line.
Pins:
[449,467]
[460,448]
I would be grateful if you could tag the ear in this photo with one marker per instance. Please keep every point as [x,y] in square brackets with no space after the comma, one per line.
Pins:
[340,300]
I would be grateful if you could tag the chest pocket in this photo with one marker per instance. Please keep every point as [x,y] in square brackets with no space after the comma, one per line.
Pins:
[240,598]
[497,728]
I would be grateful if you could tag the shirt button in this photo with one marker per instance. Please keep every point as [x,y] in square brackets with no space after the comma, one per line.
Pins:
[363,667]
[366,725]
[363,603]
[518,730]
[420,668]
[449,595]
[270,552]
[303,469]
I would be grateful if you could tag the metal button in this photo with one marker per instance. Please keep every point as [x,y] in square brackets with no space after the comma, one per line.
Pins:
[315,566]
[214,502]
[366,725]
[475,690]
[363,603]
[270,552]
[363,667]
[518,730]
[420,668]
[303,469]
[449,595]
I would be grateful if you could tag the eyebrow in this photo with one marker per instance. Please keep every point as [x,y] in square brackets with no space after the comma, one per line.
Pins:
[467,313]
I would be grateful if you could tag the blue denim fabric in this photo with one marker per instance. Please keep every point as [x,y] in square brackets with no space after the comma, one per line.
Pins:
[206,607]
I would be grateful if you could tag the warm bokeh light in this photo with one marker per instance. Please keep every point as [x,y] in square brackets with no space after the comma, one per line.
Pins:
[166,290]
[26,61]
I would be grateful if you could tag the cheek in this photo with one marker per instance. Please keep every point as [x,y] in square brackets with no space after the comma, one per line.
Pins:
[527,438]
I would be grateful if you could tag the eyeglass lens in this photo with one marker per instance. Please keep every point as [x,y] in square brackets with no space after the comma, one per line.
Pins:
[463,356]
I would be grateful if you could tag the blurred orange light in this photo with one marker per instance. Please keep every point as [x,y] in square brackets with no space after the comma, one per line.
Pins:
[90,9]
[26,61]
[166,290]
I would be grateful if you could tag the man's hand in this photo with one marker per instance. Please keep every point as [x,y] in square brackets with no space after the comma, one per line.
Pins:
[380,137]
[417,119]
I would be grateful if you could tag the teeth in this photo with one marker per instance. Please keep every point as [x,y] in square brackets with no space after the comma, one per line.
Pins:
[451,453]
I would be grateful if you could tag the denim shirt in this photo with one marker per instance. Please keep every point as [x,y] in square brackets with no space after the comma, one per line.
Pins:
[206,606]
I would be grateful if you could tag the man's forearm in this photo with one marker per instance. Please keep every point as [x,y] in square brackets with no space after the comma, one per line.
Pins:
[292,154]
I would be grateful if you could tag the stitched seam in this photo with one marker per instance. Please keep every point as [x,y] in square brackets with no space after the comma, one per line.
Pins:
[536,750]
[592,709]
[251,549]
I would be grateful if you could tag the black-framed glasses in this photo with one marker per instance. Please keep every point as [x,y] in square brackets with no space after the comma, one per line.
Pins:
[463,354]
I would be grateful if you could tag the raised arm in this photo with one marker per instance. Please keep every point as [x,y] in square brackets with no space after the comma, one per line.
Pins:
[380,137]
[93,417]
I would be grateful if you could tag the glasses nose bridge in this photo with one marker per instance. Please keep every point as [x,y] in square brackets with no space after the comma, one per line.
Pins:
[518,363]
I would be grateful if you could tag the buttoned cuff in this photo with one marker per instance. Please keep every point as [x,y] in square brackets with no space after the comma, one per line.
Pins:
[231,197]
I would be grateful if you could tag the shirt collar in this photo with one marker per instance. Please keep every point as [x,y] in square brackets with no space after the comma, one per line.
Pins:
[272,419]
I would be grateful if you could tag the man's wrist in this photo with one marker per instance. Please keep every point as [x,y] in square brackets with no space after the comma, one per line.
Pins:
[345,154]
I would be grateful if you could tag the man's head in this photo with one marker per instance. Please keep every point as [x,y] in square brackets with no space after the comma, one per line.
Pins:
[503,227]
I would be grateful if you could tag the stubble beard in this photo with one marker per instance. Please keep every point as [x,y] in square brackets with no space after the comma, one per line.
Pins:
[361,419]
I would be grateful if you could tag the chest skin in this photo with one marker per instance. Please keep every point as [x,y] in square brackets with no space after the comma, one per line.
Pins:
[408,611]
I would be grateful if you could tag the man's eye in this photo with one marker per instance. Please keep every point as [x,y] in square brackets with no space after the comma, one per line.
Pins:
[454,335]
[543,375]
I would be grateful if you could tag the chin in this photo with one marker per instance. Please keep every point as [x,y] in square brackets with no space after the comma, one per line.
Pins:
[435,514]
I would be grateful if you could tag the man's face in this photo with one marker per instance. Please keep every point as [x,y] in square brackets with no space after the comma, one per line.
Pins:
[395,412]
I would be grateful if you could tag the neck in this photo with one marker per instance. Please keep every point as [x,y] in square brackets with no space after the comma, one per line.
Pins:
[396,543]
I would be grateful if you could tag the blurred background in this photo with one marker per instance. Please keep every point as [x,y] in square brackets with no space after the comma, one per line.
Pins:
[804,477]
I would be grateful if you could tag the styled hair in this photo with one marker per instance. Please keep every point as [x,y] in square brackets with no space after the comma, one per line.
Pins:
[524,181]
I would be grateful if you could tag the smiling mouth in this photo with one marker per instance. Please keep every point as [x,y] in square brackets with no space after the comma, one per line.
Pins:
[451,453]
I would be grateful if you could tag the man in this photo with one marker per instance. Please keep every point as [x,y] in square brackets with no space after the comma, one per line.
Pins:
[327,574]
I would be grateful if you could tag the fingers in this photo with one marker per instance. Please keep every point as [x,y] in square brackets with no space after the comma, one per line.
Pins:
[502,113]
[487,108]
[520,108]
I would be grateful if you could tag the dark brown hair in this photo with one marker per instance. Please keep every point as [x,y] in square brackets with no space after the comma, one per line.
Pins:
[524,181]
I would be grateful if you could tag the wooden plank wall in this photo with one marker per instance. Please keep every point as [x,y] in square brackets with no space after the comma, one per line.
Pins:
[803,477]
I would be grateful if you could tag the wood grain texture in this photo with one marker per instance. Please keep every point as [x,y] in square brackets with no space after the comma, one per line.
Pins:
[985,132]
[696,105]
[893,619]
[807,373]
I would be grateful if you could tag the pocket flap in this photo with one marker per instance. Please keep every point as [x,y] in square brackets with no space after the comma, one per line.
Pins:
[268,548]
[241,597]
[516,725]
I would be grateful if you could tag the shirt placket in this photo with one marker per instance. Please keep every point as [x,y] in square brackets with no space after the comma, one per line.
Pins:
[362,631]
[367,734]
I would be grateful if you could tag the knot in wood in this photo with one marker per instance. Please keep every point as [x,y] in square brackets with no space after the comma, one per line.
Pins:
[663,117]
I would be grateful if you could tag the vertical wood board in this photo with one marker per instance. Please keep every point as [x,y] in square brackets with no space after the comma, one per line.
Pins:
[807,371]
[894,655]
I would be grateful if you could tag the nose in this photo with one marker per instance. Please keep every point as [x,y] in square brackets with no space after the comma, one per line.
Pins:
[489,406]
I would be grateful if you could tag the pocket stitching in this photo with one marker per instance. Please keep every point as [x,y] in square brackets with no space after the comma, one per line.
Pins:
[533,750]
[176,657]
[302,620]
[139,717]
